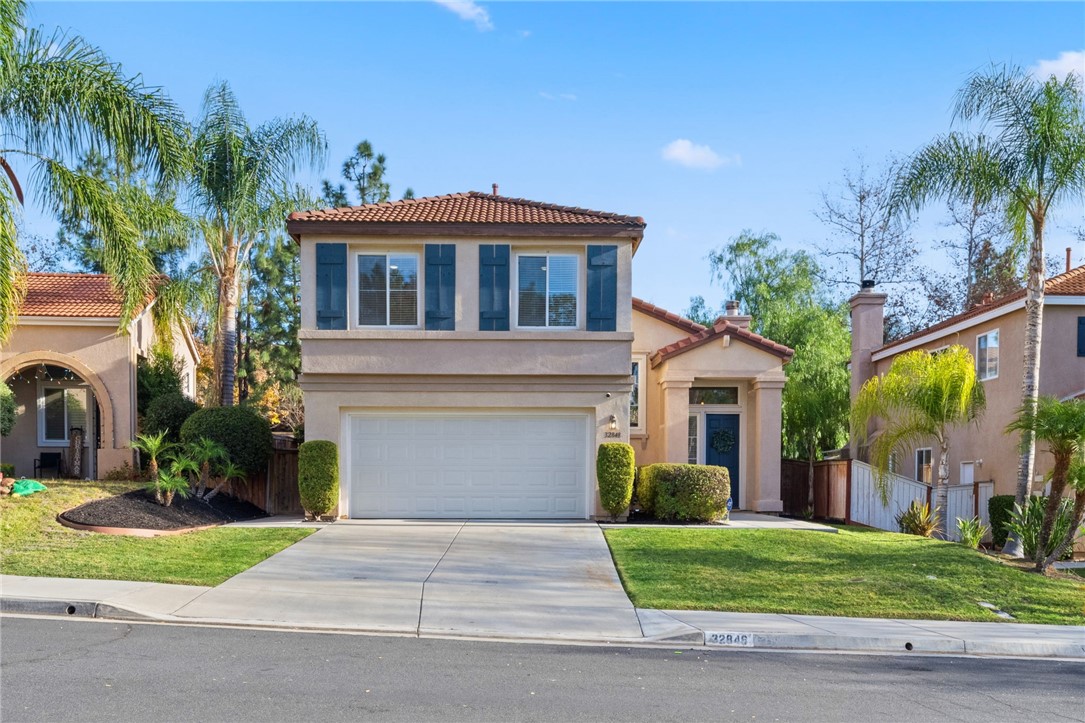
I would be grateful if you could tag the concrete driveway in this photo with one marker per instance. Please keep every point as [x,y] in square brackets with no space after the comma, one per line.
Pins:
[520,579]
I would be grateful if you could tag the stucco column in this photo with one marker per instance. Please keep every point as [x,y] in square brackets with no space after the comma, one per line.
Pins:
[867,334]
[763,479]
[675,426]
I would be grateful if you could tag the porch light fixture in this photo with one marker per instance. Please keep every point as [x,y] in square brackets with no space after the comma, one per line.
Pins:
[613,422]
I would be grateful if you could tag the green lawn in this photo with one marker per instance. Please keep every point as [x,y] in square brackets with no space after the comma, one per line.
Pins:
[33,543]
[855,573]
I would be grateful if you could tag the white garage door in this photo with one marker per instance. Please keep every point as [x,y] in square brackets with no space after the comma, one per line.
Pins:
[468,465]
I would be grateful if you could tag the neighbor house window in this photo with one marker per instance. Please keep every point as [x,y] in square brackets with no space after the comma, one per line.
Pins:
[60,409]
[894,463]
[923,465]
[692,440]
[987,355]
[547,290]
[713,395]
[636,401]
[388,290]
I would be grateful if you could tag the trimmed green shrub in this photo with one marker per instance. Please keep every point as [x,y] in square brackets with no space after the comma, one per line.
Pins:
[156,375]
[318,476]
[687,492]
[168,413]
[7,410]
[615,470]
[244,433]
[999,511]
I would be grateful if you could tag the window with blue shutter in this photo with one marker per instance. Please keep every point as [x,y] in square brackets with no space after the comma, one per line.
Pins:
[493,287]
[1081,336]
[441,287]
[602,288]
[331,286]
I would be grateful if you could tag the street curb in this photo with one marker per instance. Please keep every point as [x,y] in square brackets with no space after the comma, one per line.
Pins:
[922,644]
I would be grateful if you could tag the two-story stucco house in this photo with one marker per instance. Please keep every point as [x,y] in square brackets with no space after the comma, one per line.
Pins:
[469,352]
[70,368]
[995,334]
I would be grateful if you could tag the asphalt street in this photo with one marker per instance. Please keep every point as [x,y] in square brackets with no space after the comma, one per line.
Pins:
[65,669]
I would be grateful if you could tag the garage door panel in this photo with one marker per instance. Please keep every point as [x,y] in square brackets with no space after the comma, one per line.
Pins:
[468,465]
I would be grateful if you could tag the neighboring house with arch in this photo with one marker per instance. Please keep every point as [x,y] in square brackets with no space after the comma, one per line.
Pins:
[70,368]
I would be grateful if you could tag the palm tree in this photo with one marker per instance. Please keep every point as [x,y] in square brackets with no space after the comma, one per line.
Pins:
[922,396]
[204,452]
[1062,426]
[241,179]
[1033,159]
[154,446]
[177,479]
[227,474]
[61,97]
[1075,478]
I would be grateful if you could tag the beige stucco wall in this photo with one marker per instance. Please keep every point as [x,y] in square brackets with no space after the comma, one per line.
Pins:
[665,405]
[1062,373]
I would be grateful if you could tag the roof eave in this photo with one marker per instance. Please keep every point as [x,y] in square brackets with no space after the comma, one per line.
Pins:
[297,228]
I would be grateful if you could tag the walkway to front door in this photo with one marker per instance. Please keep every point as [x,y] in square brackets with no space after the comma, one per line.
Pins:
[523,579]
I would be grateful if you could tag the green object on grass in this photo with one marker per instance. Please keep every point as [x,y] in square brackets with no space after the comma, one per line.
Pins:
[25,487]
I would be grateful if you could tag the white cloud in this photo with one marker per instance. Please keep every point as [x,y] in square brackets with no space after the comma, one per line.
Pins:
[469,10]
[686,153]
[1070,60]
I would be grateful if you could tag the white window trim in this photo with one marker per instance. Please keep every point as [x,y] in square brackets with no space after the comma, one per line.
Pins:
[42,387]
[915,460]
[641,427]
[979,374]
[581,291]
[354,305]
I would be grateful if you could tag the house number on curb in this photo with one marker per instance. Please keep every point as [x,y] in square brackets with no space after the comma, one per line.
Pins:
[734,640]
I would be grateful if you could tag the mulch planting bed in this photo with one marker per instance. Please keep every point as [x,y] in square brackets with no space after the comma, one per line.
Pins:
[139,510]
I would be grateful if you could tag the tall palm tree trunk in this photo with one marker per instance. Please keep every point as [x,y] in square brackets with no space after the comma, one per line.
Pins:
[1030,381]
[228,305]
[941,490]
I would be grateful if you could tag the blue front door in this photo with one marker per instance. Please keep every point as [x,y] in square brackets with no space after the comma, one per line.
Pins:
[721,446]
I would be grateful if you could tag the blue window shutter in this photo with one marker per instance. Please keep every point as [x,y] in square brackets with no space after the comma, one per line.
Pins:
[331,286]
[441,287]
[602,288]
[1081,336]
[493,287]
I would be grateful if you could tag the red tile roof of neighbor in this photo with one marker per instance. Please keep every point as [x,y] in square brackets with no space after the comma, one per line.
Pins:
[1069,283]
[699,334]
[467,208]
[71,295]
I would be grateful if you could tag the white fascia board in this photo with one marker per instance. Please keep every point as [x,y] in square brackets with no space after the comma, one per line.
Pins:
[1064,301]
[885,353]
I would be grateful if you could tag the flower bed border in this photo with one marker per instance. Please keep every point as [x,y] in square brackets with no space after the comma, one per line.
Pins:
[131,531]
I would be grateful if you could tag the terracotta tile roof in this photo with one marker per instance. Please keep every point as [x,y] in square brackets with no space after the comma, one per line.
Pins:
[669,317]
[722,327]
[1069,283]
[465,208]
[55,294]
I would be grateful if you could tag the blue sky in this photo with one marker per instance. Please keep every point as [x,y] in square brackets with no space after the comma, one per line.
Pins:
[588,104]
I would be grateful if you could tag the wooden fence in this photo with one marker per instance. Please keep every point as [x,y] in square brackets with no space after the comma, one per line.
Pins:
[274,490]
[830,488]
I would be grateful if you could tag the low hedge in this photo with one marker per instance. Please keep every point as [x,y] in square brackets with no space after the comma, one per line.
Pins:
[318,476]
[168,413]
[615,469]
[999,511]
[684,492]
[244,433]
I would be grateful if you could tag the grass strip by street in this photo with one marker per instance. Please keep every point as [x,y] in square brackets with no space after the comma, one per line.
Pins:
[855,573]
[33,543]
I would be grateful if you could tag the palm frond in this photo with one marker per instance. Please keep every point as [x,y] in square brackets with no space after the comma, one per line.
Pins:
[12,264]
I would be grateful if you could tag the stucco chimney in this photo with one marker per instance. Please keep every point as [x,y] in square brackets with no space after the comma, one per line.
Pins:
[1067,259]
[732,315]
[867,334]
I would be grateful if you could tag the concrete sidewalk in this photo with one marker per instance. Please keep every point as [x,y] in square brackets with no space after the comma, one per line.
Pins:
[162,603]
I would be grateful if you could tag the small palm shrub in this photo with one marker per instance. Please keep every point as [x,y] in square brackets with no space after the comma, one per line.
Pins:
[971,532]
[1026,522]
[918,519]
[688,492]
[206,453]
[167,484]
[318,476]
[152,446]
[615,469]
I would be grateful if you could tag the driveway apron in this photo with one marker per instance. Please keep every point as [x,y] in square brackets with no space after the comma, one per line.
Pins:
[515,579]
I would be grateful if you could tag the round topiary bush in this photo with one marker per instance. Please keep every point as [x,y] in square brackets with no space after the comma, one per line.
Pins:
[615,469]
[244,433]
[690,492]
[318,476]
[168,413]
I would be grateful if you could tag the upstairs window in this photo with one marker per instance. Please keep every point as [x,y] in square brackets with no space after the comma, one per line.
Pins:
[547,291]
[923,465]
[987,355]
[388,290]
